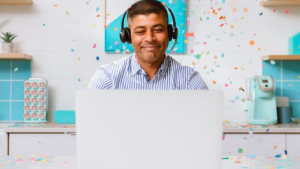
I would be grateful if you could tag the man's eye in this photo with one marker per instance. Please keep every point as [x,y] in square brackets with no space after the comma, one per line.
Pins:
[158,30]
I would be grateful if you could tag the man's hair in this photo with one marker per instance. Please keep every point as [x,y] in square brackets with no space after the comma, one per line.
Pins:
[146,7]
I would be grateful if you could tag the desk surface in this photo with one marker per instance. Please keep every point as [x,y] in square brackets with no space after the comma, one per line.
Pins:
[69,162]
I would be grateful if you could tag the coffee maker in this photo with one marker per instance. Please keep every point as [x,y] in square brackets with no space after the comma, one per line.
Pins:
[261,100]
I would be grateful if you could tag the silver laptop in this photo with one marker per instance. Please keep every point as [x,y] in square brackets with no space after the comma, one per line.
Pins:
[118,129]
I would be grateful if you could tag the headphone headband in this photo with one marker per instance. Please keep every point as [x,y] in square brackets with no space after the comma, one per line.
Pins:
[172,30]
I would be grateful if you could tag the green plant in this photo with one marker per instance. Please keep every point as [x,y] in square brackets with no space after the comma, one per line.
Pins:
[8,37]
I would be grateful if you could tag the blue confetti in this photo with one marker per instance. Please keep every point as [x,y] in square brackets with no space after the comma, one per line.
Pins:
[285,152]
[260,14]
[72,50]
[267,130]
[97,58]
[44,24]
[223,1]
[222,55]
[97,9]
[278,155]
[79,80]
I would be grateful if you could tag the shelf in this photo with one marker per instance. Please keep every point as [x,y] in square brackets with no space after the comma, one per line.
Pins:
[16,2]
[280,3]
[15,56]
[280,57]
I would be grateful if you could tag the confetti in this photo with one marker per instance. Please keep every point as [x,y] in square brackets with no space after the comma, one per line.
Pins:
[189,35]
[287,10]
[240,150]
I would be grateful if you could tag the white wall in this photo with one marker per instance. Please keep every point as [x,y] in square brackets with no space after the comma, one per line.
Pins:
[51,45]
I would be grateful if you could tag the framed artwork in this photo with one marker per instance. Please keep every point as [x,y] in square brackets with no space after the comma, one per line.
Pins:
[114,13]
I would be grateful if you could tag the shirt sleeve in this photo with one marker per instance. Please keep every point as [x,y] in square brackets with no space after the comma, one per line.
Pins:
[101,80]
[196,82]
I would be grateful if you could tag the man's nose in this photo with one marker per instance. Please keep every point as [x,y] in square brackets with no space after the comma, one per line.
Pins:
[150,36]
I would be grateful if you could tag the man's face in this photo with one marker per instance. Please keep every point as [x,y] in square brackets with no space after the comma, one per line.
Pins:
[149,36]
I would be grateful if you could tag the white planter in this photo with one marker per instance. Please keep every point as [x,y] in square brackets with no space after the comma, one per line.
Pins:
[7,47]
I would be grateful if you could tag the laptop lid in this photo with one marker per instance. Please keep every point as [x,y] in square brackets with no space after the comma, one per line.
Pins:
[122,129]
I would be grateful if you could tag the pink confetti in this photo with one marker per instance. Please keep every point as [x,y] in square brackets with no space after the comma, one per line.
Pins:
[274,10]
[94,45]
[226,85]
[192,51]
[204,43]
[287,10]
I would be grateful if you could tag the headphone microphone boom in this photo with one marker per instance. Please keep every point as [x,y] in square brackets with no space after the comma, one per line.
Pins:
[125,35]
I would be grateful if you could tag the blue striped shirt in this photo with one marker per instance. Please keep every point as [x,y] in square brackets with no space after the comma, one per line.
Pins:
[126,73]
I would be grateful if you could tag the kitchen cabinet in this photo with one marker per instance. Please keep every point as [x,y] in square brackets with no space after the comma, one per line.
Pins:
[253,144]
[42,143]
[292,142]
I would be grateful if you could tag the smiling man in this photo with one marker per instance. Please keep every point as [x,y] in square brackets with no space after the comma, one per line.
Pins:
[148,68]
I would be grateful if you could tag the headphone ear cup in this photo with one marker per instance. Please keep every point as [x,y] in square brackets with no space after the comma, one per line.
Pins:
[170,32]
[127,35]
[122,36]
[175,33]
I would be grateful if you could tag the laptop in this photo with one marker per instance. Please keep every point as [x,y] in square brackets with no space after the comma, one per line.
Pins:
[136,129]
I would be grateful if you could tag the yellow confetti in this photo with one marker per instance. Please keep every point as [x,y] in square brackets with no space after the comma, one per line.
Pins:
[116,29]
[186,41]
[298,77]
[283,156]
[17,156]
[290,84]
[67,12]
[79,58]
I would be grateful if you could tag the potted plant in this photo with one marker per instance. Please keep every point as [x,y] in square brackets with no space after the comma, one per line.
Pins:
[7,45]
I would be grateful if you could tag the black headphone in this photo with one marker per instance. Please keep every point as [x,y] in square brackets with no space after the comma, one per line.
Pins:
[125,35]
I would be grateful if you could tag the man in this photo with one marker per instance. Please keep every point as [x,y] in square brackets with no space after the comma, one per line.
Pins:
[149,67]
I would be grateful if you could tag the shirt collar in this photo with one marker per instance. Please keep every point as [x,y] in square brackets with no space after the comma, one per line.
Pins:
[136,67]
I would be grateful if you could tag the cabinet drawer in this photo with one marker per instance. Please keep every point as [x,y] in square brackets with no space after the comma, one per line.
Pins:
[43,144]
[293,147]
[256,144]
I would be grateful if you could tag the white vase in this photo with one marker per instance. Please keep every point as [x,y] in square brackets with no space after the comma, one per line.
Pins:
[7,47]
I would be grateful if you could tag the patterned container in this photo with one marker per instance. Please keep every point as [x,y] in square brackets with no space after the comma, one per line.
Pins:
[35,100]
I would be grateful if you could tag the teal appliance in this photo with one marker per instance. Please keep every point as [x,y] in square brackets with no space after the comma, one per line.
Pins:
[261,100]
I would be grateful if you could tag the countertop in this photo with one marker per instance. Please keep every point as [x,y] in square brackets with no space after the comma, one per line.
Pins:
[21,127]
[69,162]
[246,128]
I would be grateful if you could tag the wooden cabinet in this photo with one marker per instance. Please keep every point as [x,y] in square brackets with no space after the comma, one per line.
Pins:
[256,144]
[43,144]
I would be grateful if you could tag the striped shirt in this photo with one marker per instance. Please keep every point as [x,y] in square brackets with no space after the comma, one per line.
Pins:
[126,73]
